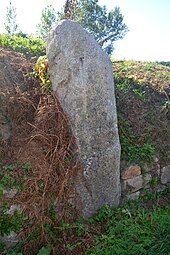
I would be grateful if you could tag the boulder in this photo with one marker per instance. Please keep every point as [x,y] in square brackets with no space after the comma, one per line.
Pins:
[82,79]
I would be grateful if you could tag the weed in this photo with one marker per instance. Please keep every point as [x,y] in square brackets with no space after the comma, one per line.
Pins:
[14,253]
[10,223]
[166,191]
[104,213]
[2,246]
[148,195]
[26,166]
[10,168]
[44,251]
[153,182]
[80,229]
[143,172]
[2,188]
[41,71]
[7,180]
[140,154]
[9,175]
[131,151]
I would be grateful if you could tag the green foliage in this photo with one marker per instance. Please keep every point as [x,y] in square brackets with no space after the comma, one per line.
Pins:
[130,230]
[141,154]
[8,173]
[14,253]
[41,71]
[141,75]
[10,24]
[143,99]
[2,188]
[44,251]
[124,86]
[81,229]
[2,246]
[164,63]
[48,19]
[103,214]
[9,223]
[27,45]
[130,149]
[7,180]
[100,23]
[166,104]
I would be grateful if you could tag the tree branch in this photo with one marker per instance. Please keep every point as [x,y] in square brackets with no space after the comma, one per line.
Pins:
[101,42]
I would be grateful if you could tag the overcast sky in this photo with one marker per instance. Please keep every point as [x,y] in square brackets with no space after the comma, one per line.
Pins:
[148,22]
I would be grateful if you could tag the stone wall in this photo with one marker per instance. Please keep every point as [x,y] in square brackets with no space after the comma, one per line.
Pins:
[135,180]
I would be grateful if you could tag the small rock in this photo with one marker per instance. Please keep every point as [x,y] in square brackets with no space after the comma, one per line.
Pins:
[136,183]
[158,169]
[10,240]
[161,188]
[134,196]
[10,193]
[156,160]
[165,174]
[131,172]
[13,209]
[147,178]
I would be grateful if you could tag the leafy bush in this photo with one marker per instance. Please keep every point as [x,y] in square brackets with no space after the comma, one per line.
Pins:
[27,45]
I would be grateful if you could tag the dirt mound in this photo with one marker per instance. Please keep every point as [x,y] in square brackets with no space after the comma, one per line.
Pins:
[14,71]
[15,77]
[37,144]
[143,104]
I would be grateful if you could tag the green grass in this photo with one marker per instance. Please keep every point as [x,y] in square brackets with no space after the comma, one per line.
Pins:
[132,231]
[143,74]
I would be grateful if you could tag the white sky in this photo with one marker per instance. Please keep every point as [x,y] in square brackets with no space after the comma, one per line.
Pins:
[148,22]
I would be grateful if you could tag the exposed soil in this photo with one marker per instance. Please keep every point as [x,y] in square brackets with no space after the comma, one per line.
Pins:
[15,71]
[34,130]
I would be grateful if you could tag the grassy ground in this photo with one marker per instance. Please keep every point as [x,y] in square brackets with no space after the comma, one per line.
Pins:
[133,230]
[136,228]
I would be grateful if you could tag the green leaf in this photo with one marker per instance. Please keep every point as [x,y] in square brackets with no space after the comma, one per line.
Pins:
[44,251]
[2,188]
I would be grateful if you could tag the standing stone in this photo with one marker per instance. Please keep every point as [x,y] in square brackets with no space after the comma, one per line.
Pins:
[82,79]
